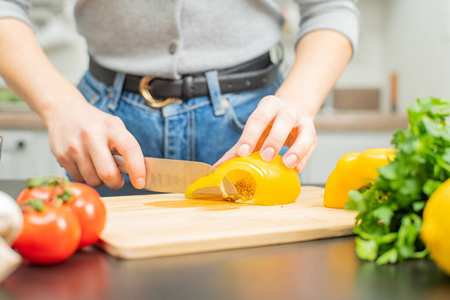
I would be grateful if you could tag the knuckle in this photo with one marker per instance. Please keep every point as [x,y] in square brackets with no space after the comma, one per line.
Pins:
[86,132]
[115,185]
[277,139]
[300,151]
[114,121]
[107,174]
[288,115]
[93,181]
[269,100]
[258,117]
[249,137]
[62,157]
[130,145]
[77,178]
[72,147]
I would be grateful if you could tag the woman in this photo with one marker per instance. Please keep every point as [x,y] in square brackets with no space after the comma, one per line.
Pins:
[178,79]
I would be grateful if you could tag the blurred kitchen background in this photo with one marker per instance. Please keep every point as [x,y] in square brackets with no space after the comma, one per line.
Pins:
[404,54]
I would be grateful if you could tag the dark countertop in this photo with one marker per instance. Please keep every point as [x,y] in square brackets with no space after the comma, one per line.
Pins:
[322,269]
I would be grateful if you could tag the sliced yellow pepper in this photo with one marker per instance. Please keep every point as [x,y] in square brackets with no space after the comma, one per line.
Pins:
[256,181]
[353,171]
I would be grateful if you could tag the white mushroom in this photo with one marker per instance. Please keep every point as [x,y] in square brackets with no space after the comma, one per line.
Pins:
[10,226]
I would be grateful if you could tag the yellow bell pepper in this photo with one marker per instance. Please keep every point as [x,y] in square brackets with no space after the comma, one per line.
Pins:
[256,181]
[353,171]
[436,226]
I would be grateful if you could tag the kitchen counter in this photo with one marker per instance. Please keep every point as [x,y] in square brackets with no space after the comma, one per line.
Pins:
[335,121]
[20,119]
[322,269]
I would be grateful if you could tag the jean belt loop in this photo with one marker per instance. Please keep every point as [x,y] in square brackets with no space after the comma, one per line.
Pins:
[117,90]
[214,92]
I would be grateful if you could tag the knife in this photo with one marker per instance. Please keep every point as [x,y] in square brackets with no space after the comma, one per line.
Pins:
[174,176]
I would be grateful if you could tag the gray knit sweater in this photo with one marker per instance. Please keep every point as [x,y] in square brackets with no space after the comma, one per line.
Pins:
[174,37]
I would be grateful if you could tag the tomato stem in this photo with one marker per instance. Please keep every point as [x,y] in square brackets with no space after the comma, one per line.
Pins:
[36,204]
[66,196]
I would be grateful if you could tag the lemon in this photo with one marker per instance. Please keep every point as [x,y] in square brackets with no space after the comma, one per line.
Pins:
[435,231]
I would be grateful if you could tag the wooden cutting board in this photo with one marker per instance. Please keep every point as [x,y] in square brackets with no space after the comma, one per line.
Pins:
[169,224]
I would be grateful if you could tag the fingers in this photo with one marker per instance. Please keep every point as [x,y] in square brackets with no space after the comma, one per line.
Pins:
[230,154]
[77,163]
[86,153]
[299,168]
[104,165]
[120,140]
[284,123]
[302,148]
[71,167]
[256,124]
[272,125]
[129,148]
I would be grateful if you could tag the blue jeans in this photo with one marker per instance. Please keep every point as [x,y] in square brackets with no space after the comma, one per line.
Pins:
[201,129]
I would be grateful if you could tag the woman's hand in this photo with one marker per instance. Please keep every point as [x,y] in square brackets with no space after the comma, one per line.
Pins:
[288,117]
[275,123]
[83,138]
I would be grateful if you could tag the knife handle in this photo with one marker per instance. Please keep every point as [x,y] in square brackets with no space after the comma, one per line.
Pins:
[120,162]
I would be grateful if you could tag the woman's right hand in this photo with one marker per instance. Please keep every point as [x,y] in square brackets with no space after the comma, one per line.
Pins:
[83,139]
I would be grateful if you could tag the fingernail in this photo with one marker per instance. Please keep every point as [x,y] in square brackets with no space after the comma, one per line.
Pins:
[244,150]
[140,183]
[268,154]
[290,161]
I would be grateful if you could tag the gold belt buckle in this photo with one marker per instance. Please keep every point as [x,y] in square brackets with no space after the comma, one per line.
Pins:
[144,89]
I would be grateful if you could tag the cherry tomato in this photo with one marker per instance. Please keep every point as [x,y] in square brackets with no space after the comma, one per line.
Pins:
[48,236]
[90,210]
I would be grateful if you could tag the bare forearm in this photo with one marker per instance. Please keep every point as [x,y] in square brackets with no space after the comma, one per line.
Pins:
[321,57]
[27,70]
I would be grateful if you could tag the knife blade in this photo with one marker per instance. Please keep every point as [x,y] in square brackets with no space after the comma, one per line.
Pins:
[174,176]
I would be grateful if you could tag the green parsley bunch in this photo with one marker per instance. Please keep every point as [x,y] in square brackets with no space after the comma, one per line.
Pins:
[390,209]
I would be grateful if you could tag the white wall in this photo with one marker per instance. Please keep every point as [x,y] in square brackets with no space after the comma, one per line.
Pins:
[418,44]
[367,69]
[410,37]
[57,34]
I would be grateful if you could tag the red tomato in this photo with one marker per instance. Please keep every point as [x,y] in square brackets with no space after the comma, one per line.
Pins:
[49,236]
[90,210]
[43,193]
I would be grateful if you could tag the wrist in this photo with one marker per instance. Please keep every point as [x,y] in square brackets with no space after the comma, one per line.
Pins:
[57,102]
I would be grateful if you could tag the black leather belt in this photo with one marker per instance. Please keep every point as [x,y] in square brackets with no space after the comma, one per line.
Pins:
[158,92]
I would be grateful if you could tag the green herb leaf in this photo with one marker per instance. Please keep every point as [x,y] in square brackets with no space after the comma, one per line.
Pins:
[418,206]
[384,214]
[388,257]
[430,186]
[389,211]
[366,249]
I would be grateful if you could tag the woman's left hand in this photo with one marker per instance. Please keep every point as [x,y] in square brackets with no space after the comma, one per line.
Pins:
[275,123]
[287,118]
